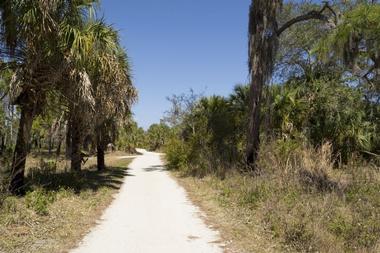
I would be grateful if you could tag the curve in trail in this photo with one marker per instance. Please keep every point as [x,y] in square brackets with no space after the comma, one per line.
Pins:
[151,213]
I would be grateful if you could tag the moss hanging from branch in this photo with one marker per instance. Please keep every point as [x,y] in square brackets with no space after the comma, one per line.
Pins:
[263,45]
[262,50]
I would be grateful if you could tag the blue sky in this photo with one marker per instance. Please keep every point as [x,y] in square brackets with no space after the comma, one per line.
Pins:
[175,45]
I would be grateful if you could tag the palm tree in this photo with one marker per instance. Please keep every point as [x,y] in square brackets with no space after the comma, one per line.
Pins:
[105,92]
[112,87]
[27,24]
[33,36]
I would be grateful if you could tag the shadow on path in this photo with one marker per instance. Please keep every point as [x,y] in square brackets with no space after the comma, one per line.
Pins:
[89,179]
[152,168]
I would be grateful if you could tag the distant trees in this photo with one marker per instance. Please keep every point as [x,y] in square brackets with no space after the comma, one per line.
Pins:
[212,134]
[157,136]
[131,136]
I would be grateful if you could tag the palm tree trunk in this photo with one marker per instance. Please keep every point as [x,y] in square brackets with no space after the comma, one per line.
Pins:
[76,137]
[50,144]
[100,149]
[58,150]
[68,140]
[100,158]
[21,150]
[76,156]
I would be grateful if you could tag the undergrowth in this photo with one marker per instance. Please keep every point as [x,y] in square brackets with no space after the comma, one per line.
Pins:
[304,198]
[58,208]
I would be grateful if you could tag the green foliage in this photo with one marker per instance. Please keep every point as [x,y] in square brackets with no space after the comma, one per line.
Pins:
[208,140]
[157,135]
[319,110]
[359,28]
[39,200]
[131,137]
[326,110]
[176,154]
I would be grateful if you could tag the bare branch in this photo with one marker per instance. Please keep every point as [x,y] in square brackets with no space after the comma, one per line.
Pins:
[3,96]
[310,15]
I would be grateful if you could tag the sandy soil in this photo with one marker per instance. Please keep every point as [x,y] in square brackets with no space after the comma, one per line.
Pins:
[151,214]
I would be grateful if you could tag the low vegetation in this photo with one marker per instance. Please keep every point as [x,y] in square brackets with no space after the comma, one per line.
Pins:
[297,203]
[65,94]
[59,206]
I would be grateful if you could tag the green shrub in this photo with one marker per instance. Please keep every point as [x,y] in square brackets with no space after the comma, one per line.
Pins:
[326,109]
[39,200]
[176,154]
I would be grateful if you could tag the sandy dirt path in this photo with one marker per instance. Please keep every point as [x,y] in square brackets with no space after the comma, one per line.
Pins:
[151,213]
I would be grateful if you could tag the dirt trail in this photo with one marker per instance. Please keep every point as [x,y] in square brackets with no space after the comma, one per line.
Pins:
[150,214]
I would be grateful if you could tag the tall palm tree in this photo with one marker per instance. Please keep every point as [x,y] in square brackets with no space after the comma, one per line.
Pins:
[112,88]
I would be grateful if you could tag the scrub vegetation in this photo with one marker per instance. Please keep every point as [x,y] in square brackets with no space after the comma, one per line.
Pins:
[294,153]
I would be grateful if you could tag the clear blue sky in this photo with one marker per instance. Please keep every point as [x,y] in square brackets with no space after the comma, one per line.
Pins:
[175,45]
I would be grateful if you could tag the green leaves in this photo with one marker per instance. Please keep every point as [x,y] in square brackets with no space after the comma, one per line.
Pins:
[357,35]
[325,110]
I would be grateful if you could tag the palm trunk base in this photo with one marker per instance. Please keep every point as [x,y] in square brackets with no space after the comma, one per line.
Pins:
[76,154]
[100,159]
[17,185]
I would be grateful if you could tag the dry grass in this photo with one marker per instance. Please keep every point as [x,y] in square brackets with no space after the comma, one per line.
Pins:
[59,208]
[239,226]
[299,202]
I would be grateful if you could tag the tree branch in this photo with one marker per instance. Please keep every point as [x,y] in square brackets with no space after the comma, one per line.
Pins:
[3,96]
[310,15]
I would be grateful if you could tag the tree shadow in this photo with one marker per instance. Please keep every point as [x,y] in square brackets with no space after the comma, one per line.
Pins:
[88,179]
[152,168]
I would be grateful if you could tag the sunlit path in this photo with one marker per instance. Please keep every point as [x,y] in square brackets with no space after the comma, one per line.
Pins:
[150,214]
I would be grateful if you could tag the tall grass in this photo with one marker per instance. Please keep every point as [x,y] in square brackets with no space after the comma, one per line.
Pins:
[305,197]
